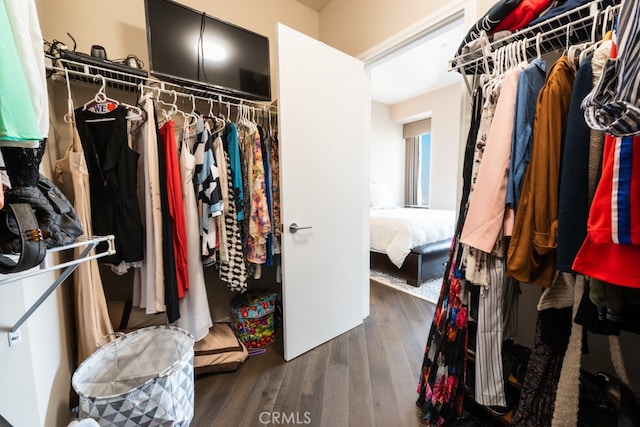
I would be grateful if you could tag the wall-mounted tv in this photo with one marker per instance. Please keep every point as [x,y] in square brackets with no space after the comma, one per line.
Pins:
[191,47]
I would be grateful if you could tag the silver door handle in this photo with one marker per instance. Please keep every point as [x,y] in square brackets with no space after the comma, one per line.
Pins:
[293,228]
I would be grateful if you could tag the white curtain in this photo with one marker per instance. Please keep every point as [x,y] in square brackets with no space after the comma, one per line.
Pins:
[412,170]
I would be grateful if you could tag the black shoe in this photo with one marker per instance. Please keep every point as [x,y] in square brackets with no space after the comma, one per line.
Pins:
[498,410]
[463,422]
[623,398]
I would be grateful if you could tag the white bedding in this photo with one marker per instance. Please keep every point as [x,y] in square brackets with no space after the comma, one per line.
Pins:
[395,231]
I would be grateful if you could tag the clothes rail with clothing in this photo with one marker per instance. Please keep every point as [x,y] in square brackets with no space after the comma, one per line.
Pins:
[539,207]
[582,24]
[183,183]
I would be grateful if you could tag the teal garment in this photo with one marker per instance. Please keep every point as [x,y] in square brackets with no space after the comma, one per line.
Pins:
[18,123]
[233,149]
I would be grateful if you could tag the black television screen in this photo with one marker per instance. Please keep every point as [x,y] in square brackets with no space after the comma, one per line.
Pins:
[193,47]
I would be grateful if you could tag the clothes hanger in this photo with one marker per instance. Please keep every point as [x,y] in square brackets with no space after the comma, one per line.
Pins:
[172,107]
[493,79]
[246,119]
[193,115]
[220,108]
[186,117]
[189,122]
[145,95]
[538,42]
[134,113]
[101,99]
[218,124]
[525,55]
[486,51]
[569,49]
[513,47]
[211,108]
[594,43]
[252,118]
[137,113]
[604,29]
[69,114]
[241,117]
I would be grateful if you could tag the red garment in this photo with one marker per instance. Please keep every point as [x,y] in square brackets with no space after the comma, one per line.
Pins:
[609,262]
[525,12]
[611,251]
[176,210]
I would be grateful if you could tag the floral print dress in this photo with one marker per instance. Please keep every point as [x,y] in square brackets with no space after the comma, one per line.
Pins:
[259,219]
[441,385]
[442,378]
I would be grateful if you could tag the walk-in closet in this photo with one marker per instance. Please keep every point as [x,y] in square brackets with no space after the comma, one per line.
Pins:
[528,311]
[202,256]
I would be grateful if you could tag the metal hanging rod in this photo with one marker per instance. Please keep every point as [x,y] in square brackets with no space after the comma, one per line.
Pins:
[574,26]
[120,80]
[170,90]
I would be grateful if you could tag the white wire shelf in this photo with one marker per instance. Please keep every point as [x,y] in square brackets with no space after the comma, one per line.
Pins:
[89,244]
[574,26]
[59,68]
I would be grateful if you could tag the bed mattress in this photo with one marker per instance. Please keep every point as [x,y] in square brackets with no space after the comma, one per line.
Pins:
[396,231]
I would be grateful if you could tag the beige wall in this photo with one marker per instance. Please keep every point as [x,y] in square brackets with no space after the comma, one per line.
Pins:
[354,26]
[119,25]
[35,372]
[444,106]
[386,151]
[482,6]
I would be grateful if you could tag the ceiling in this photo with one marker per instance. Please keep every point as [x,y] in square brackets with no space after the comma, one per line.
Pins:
[415,69]
[418,68]
[316,5]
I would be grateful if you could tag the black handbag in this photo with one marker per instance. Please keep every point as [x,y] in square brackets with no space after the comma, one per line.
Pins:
[50,221]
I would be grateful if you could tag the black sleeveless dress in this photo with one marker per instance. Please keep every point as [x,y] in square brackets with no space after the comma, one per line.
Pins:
[113,181]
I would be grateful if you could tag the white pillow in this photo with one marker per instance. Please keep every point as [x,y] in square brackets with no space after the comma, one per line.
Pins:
[380,196]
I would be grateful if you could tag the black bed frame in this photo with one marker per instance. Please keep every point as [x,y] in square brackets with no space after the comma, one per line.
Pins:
[423,262]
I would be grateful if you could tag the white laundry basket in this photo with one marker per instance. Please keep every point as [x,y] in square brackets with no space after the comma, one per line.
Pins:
[144,378]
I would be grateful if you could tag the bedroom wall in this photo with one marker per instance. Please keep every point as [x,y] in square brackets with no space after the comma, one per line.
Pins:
[386,151]
[364,29]
[444,106]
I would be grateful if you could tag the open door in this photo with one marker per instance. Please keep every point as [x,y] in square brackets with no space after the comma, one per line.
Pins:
[324,105]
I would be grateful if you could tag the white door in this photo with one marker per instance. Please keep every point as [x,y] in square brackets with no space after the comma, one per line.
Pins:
[323,102]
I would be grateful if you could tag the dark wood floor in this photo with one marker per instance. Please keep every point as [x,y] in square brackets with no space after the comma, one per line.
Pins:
[365,377]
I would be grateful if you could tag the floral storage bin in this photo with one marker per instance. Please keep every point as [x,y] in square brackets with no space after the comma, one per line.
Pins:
[253,318]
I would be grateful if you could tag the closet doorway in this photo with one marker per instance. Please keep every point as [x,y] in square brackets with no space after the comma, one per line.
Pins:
[413,91]
[410,82]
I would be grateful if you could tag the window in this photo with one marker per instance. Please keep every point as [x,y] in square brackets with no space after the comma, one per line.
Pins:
[424,172]
[417,137]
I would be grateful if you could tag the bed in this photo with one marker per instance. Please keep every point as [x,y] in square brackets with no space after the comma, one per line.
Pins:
[414,242]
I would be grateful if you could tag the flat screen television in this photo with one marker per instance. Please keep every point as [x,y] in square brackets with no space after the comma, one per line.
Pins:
[191,47]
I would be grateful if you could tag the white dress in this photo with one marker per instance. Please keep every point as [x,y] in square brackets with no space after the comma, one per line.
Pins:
[195,315]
